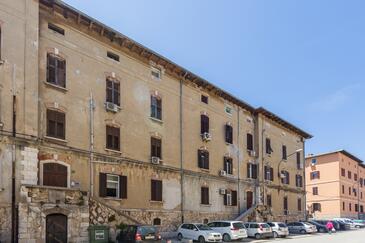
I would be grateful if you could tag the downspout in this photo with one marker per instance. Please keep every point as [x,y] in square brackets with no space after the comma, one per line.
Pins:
[181,151]
[238,161]
[358,191]
[304,183]
[262,163]
[91,123]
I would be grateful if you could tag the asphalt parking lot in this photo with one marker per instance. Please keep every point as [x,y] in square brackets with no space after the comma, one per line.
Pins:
[351,236]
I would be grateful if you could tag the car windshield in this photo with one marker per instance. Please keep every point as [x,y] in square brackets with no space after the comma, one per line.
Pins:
[308,224]
[282,225]
[203,227]
[265,225]
[238,225]
[146,230]
[271,224]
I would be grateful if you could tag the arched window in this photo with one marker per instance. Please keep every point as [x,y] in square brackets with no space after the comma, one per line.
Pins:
[56,228]
[156,221]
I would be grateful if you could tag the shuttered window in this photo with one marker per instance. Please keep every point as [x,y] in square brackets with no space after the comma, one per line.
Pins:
[230,198]
[156,147]
[299,161]
[54,174]
[204,124]
[228,165]
[229,134]
[298,180]
[112,186]
[112,138]
[113,91]
[285,206]
[56,124]
[156,190]
[56,70]
[286,177]
[249,142]
[252,171]
[284,155]
[156,107]
[203,159]
[204,196]
[268,146]
[314,175]
[343,172]
[299,204]
[269,173]
[315,190]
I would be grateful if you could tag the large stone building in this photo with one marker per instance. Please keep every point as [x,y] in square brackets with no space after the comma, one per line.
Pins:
[335,185]
[97,129]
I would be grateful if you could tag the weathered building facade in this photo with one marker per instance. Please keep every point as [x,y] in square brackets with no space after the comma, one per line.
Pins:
[97,129]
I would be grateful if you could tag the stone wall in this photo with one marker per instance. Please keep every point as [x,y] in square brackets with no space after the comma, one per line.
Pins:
[29,163]
[5,223]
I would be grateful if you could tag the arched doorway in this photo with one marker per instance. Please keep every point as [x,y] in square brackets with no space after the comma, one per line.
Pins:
[56,228]
[54,174]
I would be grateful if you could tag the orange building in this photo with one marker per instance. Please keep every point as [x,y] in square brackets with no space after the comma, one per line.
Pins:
[335,185]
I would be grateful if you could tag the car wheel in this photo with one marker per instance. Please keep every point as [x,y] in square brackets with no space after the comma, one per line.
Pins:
[226,238]
[357,227]
[257,236]
[180,237]
[275,235]
[201,239]
[302,231]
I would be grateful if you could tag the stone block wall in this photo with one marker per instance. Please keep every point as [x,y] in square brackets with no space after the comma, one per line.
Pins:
[5,223]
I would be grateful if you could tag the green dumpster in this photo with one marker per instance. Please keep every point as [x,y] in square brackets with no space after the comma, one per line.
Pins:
[98,233]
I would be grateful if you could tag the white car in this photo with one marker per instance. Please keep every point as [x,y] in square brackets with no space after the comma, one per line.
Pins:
[230,230]
[279,229]
[198,232]
[258,230]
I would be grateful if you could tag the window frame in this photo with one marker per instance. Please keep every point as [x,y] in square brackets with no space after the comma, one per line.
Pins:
[249,142]
[59,118]
[114,91]
[114,132]
[252,171]
[57,61]
[268,148]
[284,153]
[204,124]
[203,159]
[156,107]
[156,147]
[114,182]
[228,165]
[156,190]
[204,195]
[155,70]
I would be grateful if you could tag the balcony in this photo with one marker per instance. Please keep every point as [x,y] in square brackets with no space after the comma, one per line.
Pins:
[53,195]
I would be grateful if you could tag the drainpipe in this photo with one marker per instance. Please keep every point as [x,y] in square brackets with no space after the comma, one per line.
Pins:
[238,161]
[91,172]
[358,191]
[181,152]
[304,183]
[262,163]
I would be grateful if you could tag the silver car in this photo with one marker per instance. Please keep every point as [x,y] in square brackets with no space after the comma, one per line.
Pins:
[279,229]
[301,228]
[258,230]
[230,230]
[198,232]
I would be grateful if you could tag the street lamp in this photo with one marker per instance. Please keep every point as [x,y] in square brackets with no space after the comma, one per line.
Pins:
[296,151]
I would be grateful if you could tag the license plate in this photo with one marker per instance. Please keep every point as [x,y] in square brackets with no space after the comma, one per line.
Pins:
[150,237]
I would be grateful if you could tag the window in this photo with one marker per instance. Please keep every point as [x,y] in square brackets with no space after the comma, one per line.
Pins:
[204,99]
[361,208]
[314,175]
[349,174]
[112,138]
[113,91]
[156,73]
[268,200]
[228,110]
[204,196]
[355,192]
[112,186]
[230,198]
[113,56]
[316,207]
[298,181]
[361,182]
[268,146]
[269,173]
[343,172]
[284,155]
[315,190]
[249,142]
[56,124]
[343,205]
[252,171]
[343,189]
[285,179]
[314,161]
[55,174]
[350,207]
[349,190]
[299,204]
[299,161]
[203,159]
[204,124]
[355,177]
[356,207]
[56,28]
[229,134]
[285,205]
[156,107]
[156,221]
[156,190]
[361,195]
[228,165]
[156,147]
[56,70]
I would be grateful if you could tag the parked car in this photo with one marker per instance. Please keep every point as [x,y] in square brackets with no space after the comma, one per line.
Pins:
[301,228]
[279,229]
[320,227]
[347,221]
[359,221]
[198,232]
[138,233]
[258,230]
[357,224]
[343,225]
[336,225]
[230,230]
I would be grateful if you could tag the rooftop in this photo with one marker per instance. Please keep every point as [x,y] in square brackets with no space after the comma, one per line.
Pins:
[342,151]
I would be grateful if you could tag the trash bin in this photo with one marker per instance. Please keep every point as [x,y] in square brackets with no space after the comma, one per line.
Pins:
[98,233]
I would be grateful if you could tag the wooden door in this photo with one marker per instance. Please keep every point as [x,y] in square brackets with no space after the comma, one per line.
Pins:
[249,199]
[56,228]
[54,175]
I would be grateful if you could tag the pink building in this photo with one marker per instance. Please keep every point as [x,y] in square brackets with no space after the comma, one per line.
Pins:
[335,185]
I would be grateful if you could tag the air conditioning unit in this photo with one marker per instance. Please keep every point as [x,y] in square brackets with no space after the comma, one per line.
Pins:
[111,107]
[155,160]
[222,173]
[222,191]
[253,153]
[206,136]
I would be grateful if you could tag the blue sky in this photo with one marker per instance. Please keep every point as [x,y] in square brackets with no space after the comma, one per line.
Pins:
[303,60]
